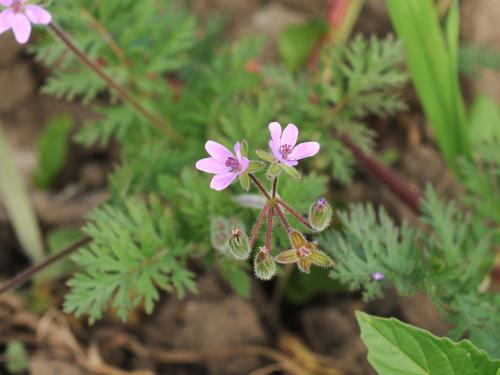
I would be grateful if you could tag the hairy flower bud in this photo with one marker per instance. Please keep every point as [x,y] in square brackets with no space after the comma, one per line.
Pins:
[239,245]
[264,265]
[320,214]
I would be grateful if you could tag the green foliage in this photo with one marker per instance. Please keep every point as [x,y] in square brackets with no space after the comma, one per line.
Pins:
[52,148]
[432,58]
[472,58]
[236,274]
[17,357]
[298,41]
[372,243]
[396,348]
[135,252]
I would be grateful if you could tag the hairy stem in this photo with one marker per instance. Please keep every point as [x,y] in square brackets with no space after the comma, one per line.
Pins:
[275,185]
[256,228]
[122,92]
[283,219]
[29,272]
[299,217]
[259,186]
[269,228]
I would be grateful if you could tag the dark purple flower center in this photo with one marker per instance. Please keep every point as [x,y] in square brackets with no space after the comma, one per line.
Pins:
[233,163]
[285,150]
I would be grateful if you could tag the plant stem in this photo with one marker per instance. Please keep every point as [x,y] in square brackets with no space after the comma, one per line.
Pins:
[283,219]
[299,217]
[259,186]
[29,272]
[256,228]
[386,175]
[122,92]
[275,185]
[269,228]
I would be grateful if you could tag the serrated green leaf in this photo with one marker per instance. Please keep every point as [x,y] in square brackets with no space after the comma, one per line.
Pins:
[396,348]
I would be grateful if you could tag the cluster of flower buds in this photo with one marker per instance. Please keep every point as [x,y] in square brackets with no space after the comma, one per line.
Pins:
[284,156]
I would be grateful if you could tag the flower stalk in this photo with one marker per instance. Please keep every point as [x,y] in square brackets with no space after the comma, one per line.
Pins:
[156,120]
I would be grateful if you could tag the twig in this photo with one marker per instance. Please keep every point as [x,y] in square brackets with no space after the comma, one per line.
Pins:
[256,228]
[259,185]
[299,217]
[122,92]
[29,272]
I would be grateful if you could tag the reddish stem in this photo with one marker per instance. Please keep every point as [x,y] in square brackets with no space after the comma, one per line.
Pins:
[283,219]
[269,228]
[275,185]
[259,185]
[28,273]
[256,228]
[299,217]
[385,175]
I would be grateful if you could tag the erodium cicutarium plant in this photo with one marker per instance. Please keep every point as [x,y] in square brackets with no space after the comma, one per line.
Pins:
[284,157]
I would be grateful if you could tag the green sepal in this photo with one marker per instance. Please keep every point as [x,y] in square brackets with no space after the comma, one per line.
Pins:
[245,181]
[291,171]
[244,148]
[264,266]
[287,257]
[274,170]
[255,166]
[266,156]
[319,258]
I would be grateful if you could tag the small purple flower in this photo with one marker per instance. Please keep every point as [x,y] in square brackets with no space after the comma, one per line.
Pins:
[223,164]
[378,276]
[321,202]
[283,146]
[19,15]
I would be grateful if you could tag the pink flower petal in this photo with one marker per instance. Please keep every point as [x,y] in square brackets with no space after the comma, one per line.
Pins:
[210,165]
[37,14]
[290,135]
[223,180]
[6,18]
[6,3]
[275,130]
[237,151]
[304,150]
[21,27]
[218,151]
[275,150]
[291,163]
[244,165]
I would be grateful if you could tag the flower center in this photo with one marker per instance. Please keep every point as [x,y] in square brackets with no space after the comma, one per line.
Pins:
[304,251]
[233,164]
[18,6]
[285,150]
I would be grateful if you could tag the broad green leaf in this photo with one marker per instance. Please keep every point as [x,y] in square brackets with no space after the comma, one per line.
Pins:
[297,42]
[396,348]
[17,202]
[52,147]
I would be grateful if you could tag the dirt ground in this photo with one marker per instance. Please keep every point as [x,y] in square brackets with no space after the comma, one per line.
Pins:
[214,332]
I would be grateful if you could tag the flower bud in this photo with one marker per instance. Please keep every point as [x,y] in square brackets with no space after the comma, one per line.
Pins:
[264,265]
[239,246]
[320,215]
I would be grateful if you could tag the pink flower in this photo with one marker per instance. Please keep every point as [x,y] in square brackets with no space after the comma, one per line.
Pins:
[283,146]
[223,164]
[19,16]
